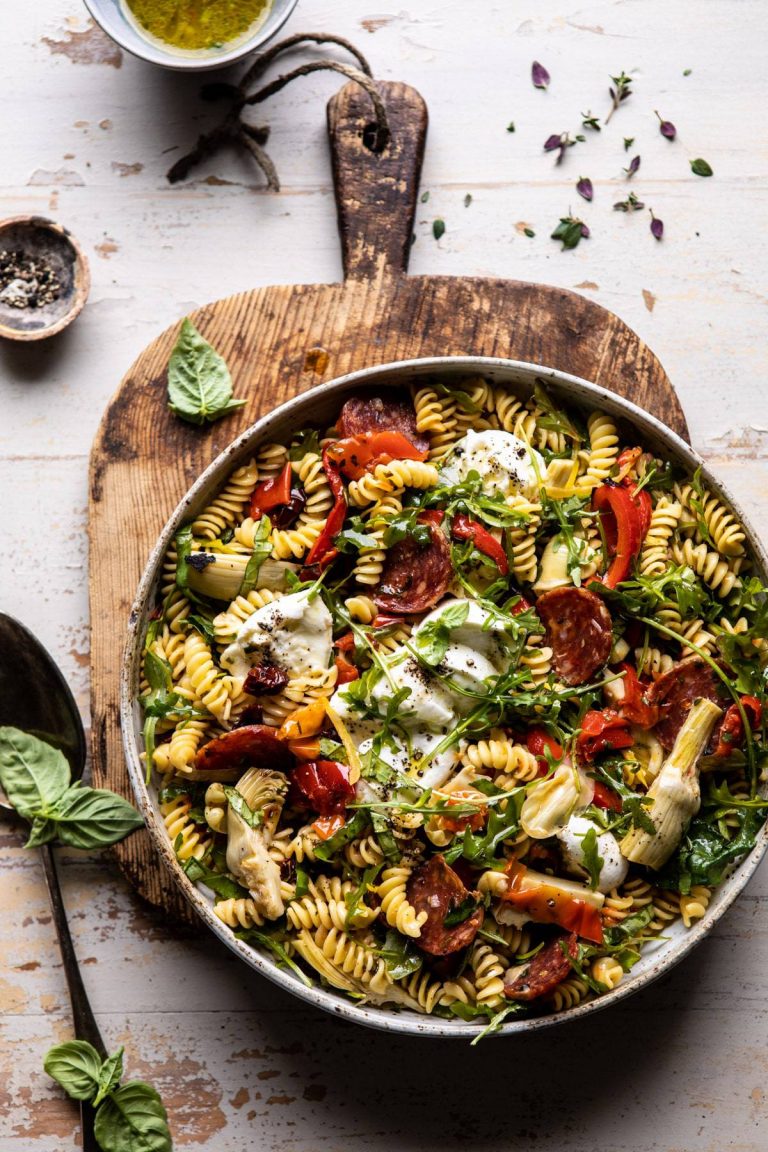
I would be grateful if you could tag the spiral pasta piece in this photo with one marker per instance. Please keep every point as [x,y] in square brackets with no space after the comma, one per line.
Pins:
[489,974]
[607,970]
[653,662]
[209,685]
[239,913]
[317,490]
[365,852]
[294,543]
[370,561]
[654,554]
[187,838]
[228,623]
[270,460]
[335,955]
[436,415]
[185,741]
[425,992]
[228,507]
[523,539]
[603,451]
[500,754]
[568,994]
[694,905]
[721,527]
[718,574]
[397,911]
[298,692]
[391,479]
[538,660]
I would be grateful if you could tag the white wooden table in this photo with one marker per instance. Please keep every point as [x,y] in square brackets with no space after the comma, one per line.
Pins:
[87,135]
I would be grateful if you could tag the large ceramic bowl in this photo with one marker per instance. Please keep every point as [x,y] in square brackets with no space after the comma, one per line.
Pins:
[118,22]
[320,405]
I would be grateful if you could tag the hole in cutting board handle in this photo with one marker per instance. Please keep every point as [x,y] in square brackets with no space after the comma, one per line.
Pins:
[374,138]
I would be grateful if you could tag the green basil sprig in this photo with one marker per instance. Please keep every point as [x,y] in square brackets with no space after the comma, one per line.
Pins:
[129,1117]
[199,383]
[37,780]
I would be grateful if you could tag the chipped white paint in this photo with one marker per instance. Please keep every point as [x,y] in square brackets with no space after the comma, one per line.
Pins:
[86,132]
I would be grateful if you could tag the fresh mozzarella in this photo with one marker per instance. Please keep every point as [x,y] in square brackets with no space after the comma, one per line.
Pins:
[506,464]
[428,704]
[614,868]
[475,653]
[294,632]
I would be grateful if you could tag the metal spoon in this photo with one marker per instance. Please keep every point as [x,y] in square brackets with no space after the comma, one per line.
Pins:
[35,697]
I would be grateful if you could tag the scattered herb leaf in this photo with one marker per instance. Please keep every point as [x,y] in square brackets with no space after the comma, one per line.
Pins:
[590,121]
[199,383]
[570,231]
[667,128]
[425,197]
[438,228]
[584,187]
[700,167]
[657,226]
[467,199]
[511,126]
[633,167]
[539,75]
[620,93]
[631,204]
[529,232]
[628,142]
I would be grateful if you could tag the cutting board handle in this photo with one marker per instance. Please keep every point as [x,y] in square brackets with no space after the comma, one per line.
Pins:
[376,191]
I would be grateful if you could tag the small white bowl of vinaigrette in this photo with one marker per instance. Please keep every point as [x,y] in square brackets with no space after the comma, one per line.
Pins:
[190,35]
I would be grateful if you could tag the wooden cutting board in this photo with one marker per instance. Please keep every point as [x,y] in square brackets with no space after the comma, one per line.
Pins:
[284,340]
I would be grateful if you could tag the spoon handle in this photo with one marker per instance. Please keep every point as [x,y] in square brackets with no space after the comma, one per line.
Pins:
[86,1027]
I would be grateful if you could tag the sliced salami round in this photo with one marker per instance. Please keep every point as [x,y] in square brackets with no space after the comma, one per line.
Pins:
[578,627]
[385,413]
[674,693]
[548,968]
[253,746]
[436,889]
[415,576]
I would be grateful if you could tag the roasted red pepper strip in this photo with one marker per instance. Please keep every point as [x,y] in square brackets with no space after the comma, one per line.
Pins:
[322,785]
[346,671]
[546,904]
[271,493]
[322,551]
[465,529]
[600,732]
[621,520]
[634,706]
[327,826]
[539,741]
[356,455]
[732,731]
[605,797]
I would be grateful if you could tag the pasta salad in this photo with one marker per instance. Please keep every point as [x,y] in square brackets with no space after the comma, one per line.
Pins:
[457,705]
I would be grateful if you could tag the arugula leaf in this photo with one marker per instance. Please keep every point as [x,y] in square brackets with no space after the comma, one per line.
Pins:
[34,775]
[400,957]
[432,639]
[302,882]
[199,383]
[473,1011]
[629,928]
[460,913]
[132,1119]
[223,886]
[358,912]
[183,541]
[76,1066]
[554,419]
[308,440]
[273,945]
[592,861]
[705,853]
[404,524]
[262,550]
[353,540]
[202,624]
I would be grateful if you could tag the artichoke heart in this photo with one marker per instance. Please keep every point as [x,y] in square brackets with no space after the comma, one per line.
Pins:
[675,793]
[549,804]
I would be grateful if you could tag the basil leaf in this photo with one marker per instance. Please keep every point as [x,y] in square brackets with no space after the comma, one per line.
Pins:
[460,913]
[42,831]
[705,853]
[308,440]
[199,383]
[701,168]
[262,550]
[94,818]
[399,955]
[109,1075]
[326,849]
[158,674]
[132,1119]
[34,775]
[239,805]
[432,639]
[76,1066]
[350,540]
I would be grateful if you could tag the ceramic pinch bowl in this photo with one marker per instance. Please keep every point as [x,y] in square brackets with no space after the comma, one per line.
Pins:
[116,19]
[37,239]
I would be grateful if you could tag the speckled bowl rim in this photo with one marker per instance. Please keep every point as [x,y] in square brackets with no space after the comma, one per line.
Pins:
[81,272]
[298,411]
[152,53]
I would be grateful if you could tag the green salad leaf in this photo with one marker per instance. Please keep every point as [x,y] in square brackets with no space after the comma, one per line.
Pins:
[199,383]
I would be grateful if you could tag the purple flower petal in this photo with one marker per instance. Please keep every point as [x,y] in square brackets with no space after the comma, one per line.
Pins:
[584,187]
[539,75]
[667,128]
[553,142]
[657,228]
[633,167]
[585,232]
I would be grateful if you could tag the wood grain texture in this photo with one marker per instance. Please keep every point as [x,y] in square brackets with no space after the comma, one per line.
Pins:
[281,341]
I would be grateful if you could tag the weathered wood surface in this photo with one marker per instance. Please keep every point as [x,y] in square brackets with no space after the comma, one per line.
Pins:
[279,341]
[681,1068]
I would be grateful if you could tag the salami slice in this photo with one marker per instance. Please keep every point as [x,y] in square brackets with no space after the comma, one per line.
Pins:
[674,693]
[436,889]
[548,968]
[415,576]
[578,627]
[253,746]
[385,413]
